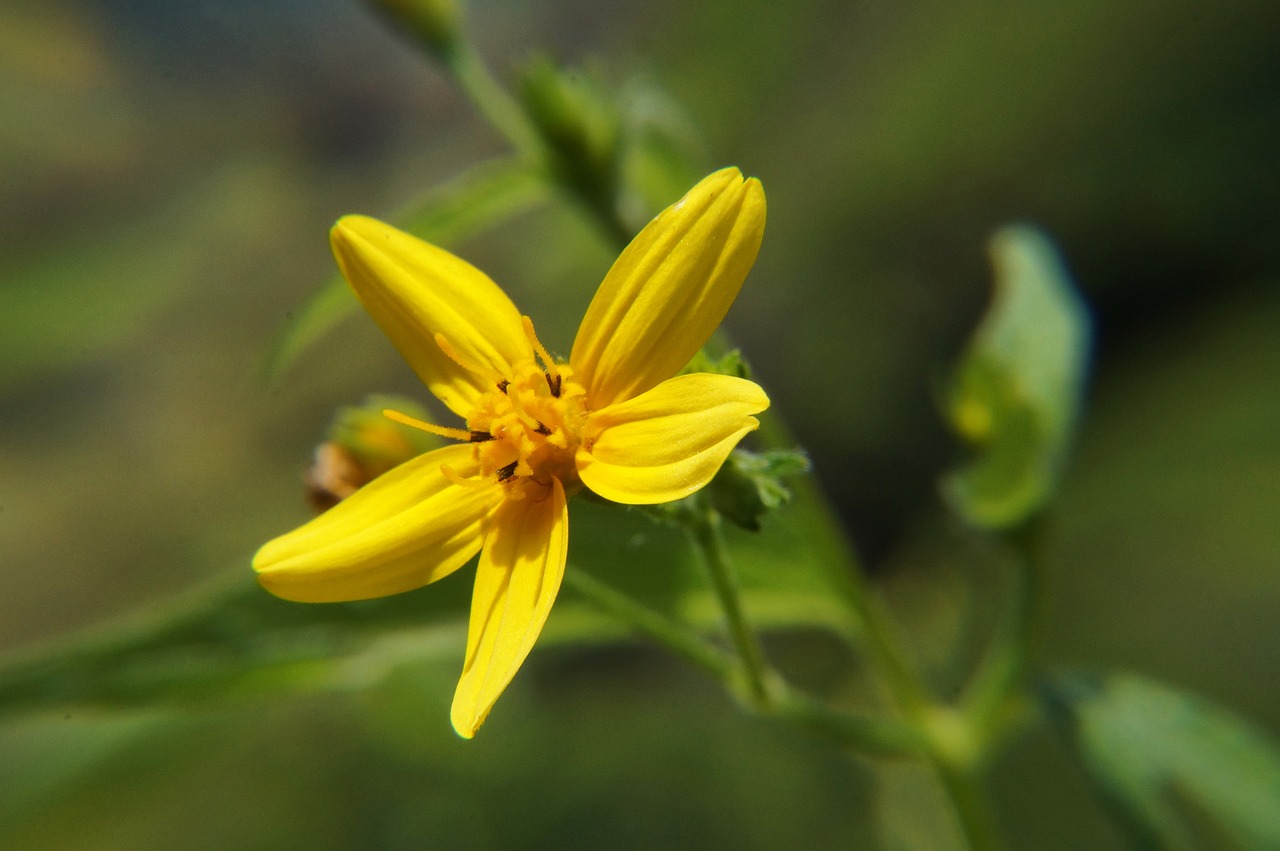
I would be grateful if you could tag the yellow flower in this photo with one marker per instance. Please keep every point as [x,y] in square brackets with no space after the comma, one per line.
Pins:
[612,418]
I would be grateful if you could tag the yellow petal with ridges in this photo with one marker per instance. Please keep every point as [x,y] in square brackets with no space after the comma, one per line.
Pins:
[669,289]
[519,574]
[406,528]
[667,443]
[415,291]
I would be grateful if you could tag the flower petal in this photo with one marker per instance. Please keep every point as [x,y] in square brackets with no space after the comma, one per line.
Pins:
[669,289]
[414,291]
[669,442]
[516,582]
[406,528]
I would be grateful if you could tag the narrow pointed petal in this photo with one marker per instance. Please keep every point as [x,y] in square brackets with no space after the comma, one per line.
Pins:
[516,582]
[669,442]
[414,291]
[669,289]
[406,528]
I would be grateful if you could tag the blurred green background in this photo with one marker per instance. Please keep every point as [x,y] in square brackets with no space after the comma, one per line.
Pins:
[168,173]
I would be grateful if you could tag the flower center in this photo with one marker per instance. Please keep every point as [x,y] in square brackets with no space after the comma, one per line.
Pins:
[530,425]
[526,429]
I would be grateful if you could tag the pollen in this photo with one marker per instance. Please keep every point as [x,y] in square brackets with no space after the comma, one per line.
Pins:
[525,430]
[535,425]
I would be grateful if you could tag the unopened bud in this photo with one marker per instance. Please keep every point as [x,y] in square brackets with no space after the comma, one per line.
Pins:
[361,445]
[435,23]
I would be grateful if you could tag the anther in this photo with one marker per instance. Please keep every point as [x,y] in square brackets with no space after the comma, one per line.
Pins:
[543,354]
[555,382]
[480,436]
[503,385]
[507,472]
[542,429]
[442,431]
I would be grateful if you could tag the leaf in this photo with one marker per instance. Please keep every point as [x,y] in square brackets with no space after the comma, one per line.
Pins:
[234,639]
[1018,391]
[912,811]
[749,485]
[478,199]
[1179,772]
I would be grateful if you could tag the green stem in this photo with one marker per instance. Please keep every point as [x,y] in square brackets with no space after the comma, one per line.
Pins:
[881,643]
[646,621]
[860,734]
[977,820]
[437,27]
[1000,677]
[705,527]
[499,108]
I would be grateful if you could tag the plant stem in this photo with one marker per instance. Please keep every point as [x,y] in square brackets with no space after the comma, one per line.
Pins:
[977,821]
[705,527]
[474,78]
[646,621]
[861,734]
[885,650]
[1004,668]
[509,118]
[765,691]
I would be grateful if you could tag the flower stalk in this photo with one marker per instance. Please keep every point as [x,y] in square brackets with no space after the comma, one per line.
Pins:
[955,741]
[674,636]
[993,694]
[705,527]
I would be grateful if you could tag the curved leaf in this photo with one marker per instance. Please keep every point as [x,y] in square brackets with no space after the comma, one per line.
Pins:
[1018,391]
[1179,772]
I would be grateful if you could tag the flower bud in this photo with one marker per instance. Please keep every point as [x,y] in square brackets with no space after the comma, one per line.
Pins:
[361,445]
[436,23]
[578,123]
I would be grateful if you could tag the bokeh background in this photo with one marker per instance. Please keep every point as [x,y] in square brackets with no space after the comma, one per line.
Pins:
[168,173]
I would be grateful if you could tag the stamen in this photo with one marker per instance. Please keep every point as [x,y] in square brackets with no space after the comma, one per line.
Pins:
[542,429]
[555,383]
[480,436]
[529,421]
[548,362]
[453,476]
[443,431]
[507,472]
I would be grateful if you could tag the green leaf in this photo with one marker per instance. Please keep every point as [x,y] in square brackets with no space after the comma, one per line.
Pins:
[1018,391]
[1179,772]
[579,122]
[749,485]
[235,639]
[478,199]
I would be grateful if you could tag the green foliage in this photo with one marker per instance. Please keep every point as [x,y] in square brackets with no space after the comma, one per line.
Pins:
[1179,772]
[374,440]
[730,363]
[435,23]
[749,485]
[235,640]
[579,124]
[478,199]
[1018,391]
